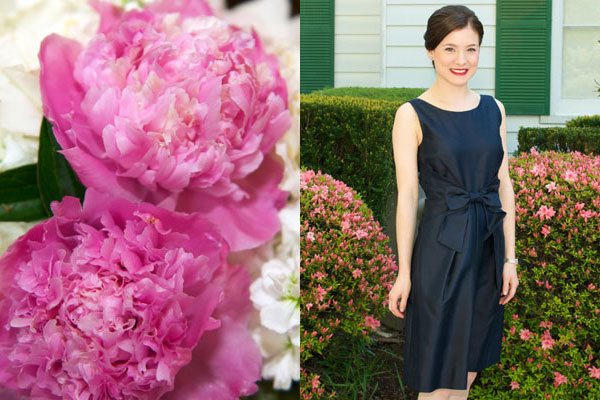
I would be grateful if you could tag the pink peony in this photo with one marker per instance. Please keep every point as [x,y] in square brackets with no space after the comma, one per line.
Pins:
[117,299]
[173,106]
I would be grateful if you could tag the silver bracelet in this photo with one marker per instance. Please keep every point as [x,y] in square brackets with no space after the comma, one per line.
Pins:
[512,260]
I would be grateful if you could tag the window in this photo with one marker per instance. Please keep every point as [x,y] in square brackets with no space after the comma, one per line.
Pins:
[575,57]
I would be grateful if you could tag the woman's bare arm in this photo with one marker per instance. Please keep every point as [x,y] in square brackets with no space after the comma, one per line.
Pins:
[507,194]
[405,145]
[510,280]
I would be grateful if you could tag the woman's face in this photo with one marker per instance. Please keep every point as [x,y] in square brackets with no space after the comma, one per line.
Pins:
[457,56]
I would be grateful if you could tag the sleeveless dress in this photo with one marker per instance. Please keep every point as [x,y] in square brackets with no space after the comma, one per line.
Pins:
[453,322]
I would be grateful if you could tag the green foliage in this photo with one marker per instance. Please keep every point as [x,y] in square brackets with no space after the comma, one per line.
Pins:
[56,178]
[551,330]
[27,191]
[19,195]
[399,95]
[586,120]
[585,139]
[351,139]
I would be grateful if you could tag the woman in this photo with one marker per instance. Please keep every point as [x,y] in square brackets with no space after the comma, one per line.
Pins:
[455,280]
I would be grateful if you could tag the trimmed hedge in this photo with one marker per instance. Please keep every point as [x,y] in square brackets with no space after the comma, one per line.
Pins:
[562,139]
[391,94]
[586,120]
[351,139]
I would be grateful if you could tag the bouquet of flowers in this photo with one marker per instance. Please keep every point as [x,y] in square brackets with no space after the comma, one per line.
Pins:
[150,238]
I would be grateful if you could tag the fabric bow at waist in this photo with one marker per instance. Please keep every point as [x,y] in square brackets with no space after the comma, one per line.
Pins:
[453,228]
[458,200]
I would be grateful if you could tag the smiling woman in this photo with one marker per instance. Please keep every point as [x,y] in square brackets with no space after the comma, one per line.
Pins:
[456,139]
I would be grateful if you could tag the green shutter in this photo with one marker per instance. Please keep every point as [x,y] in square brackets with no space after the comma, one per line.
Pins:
[523,29]
[316,44]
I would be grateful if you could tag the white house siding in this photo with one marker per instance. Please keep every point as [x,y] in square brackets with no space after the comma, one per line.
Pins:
[406,61]
[358,27]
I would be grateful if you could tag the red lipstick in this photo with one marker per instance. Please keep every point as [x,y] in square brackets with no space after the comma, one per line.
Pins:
[460,71]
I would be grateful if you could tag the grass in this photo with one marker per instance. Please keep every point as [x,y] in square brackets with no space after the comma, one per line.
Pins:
[357,370]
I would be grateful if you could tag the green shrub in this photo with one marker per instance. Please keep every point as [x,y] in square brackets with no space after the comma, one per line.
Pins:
[391,94]
[586,120]
[351,139]
[562,139]
[551,343]
[346,266]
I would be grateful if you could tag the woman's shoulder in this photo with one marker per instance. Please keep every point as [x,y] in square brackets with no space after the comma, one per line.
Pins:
[406,109]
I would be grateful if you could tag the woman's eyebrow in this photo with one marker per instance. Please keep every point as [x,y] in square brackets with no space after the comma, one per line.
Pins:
[452,44]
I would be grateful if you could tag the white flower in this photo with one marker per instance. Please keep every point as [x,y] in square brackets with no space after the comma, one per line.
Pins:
[23,25]
[10,231]
[276,295]
[281,355]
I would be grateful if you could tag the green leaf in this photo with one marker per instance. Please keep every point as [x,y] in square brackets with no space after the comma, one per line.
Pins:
[19,195]
[56,178]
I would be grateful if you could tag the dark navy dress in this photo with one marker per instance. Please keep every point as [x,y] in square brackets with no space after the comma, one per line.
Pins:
[453,322]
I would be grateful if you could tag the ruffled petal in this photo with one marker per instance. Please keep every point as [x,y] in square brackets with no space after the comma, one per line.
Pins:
[252,221]
[226,363]
[61,94]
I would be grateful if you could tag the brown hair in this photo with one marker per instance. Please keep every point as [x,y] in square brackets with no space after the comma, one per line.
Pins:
[447,19]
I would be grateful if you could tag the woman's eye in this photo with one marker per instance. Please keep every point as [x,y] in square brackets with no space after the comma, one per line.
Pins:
[472,49]
[448,49]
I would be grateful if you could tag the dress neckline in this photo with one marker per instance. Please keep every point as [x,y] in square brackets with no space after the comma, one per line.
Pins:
[450,111]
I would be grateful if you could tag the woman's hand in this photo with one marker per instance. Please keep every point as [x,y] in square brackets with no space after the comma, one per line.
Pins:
[510,282]
[399,295]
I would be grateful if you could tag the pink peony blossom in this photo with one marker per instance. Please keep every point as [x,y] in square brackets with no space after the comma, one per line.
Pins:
[115,299]
[173,106]
[514,385]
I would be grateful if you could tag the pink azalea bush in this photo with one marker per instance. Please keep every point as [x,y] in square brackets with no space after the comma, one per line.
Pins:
[311,388]
[551,342]
[173,106]
[123,300]
[346,267]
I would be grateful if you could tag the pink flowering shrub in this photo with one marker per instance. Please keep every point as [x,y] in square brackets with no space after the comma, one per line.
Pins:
[311,388]
[123,300]
[173,106]
[551,343]
[346,267]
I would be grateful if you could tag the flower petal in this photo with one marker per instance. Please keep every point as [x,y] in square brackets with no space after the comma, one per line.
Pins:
[61,94]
